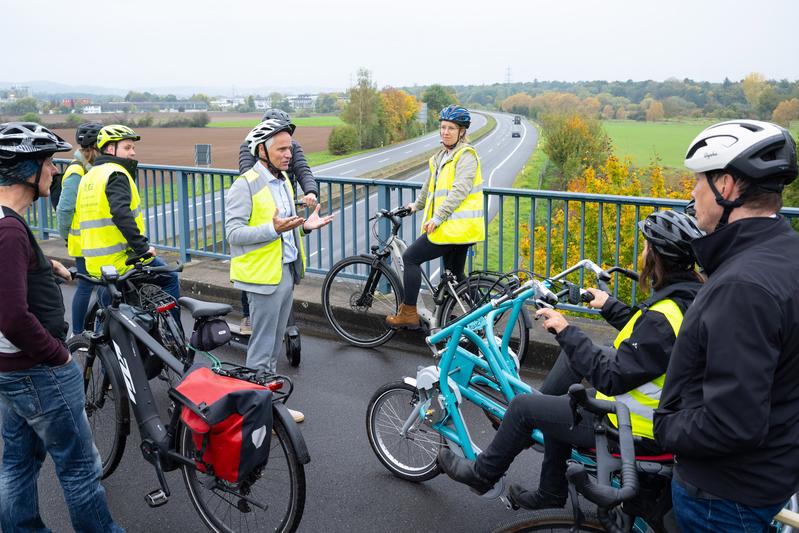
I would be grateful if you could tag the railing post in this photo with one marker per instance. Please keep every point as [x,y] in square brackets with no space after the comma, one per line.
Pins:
[383,202]
[43,209]
[183,216]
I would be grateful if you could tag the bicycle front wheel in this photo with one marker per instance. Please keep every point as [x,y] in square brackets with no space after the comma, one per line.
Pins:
[412,457]
[357,296]
[550,520]
[106,403]
[271,499]
[473,293]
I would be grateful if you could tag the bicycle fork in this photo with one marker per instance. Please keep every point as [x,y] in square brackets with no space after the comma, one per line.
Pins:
[445,416]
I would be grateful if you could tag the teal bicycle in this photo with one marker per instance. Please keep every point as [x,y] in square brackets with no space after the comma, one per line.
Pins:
[408,421]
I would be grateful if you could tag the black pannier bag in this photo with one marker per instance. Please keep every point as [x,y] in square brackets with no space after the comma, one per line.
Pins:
[230,421]
[210,334]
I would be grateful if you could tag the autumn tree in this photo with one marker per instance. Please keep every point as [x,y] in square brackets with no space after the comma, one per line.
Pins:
[786,111]
[326,103]
[364,110]
[607,112]
[573,143]
[399,112]
[654,112]
[519,103]
[753,86]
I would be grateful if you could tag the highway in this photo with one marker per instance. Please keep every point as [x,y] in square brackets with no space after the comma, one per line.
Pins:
[501,159]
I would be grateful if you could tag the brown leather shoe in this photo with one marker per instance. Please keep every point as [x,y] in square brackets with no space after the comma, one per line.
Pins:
[406,317]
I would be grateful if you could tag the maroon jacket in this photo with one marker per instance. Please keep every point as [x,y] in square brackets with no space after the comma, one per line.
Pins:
[32,327]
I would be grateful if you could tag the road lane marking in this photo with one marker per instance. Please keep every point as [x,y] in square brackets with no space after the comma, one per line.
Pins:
[386,159]
[491,176]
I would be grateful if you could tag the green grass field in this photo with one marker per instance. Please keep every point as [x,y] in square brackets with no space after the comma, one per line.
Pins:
[644,141]
[329,121]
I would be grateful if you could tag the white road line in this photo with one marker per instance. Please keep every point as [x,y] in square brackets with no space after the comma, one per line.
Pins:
[490,150]
[386,159]
[491,176]
[408,151]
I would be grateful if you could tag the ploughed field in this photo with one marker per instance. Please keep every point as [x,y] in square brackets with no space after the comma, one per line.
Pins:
[175,146]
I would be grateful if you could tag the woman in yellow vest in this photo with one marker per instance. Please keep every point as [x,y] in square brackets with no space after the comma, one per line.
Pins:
[86,136]
[633,370]
[452,200]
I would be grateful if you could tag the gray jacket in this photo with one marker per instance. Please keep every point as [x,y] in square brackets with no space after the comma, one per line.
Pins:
[465,172]
[244,238]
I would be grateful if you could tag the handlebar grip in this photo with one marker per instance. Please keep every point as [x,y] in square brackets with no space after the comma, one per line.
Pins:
[602,285]
[137,258]
[586,297]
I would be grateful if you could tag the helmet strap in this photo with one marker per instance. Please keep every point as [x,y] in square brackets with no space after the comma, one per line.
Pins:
[272,168]
[728,205]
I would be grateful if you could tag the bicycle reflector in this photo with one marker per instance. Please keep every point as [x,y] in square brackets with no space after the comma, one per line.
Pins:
[166,307]
[275,385]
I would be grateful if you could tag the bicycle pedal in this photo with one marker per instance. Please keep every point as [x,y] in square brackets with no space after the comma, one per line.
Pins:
[156,498]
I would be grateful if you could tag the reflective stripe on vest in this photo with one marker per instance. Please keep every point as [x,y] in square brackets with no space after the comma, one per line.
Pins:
[73,238]
[101,242]
[466,224]
[263,265]
[642,401]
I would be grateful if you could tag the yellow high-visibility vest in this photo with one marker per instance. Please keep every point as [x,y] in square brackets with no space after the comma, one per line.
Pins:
[73,237]
[642,401]
[466,224]
[101,242]
[264,264]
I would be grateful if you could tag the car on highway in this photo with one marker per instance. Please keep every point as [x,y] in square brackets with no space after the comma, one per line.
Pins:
[515,133]
[517,119]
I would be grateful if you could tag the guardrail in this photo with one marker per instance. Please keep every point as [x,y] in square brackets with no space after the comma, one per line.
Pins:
[184,211]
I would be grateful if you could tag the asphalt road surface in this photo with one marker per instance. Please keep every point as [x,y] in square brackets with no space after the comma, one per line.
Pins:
[347,488]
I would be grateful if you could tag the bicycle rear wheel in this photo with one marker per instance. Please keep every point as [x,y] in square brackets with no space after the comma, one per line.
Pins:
[412,457]
[357,296]
[472,293]
[271,499]
[106,403]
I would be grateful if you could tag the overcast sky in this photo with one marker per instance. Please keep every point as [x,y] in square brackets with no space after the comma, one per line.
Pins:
[320,44]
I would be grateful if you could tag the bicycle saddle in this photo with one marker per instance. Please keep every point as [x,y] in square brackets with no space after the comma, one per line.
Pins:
[200,309]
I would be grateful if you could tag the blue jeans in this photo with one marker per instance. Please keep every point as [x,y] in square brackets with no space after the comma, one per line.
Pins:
[42,411]
[80,302]
[700,515]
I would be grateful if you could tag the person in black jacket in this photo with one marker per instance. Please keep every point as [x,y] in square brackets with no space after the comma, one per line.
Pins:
[632,370]
[729,410]
[299,171]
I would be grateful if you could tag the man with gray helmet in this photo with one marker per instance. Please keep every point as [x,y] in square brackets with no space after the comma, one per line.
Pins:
[299,172]
[729,408]
[263,229]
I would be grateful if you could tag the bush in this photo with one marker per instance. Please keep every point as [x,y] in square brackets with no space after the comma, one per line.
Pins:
[73,121]
[30,117]
[342,140]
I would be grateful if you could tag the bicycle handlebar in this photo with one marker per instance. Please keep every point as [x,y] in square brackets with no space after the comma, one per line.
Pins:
[109,275]
[604,495]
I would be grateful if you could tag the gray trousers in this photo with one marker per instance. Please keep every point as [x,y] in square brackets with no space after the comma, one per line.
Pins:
[269,314]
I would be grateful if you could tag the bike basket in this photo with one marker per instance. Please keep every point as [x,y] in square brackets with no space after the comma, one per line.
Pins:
[230,422]
[210,334]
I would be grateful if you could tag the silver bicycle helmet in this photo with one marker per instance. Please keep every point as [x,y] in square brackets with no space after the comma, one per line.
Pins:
[670,233]
[29,140]
[266,130]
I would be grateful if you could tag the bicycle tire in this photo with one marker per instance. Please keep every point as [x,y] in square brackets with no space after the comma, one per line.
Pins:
[474,292]
[223,512]
[422,441]
[552,520]
[363,323]
[110,427]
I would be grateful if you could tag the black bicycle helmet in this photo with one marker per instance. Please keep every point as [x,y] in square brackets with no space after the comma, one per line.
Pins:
[29,140]
[276,114]
[86,134]
[670,233]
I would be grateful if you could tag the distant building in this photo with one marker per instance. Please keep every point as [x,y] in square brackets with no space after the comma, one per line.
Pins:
[302,102]
[154,107]
[92,109]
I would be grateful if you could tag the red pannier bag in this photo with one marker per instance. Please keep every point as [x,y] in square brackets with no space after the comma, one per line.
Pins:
[230,421]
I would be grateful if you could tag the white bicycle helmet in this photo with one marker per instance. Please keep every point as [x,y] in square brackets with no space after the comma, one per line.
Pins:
[264,131]
[29,140]
[759,151]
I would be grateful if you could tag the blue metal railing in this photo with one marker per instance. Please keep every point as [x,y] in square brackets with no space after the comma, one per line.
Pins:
[184,211]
